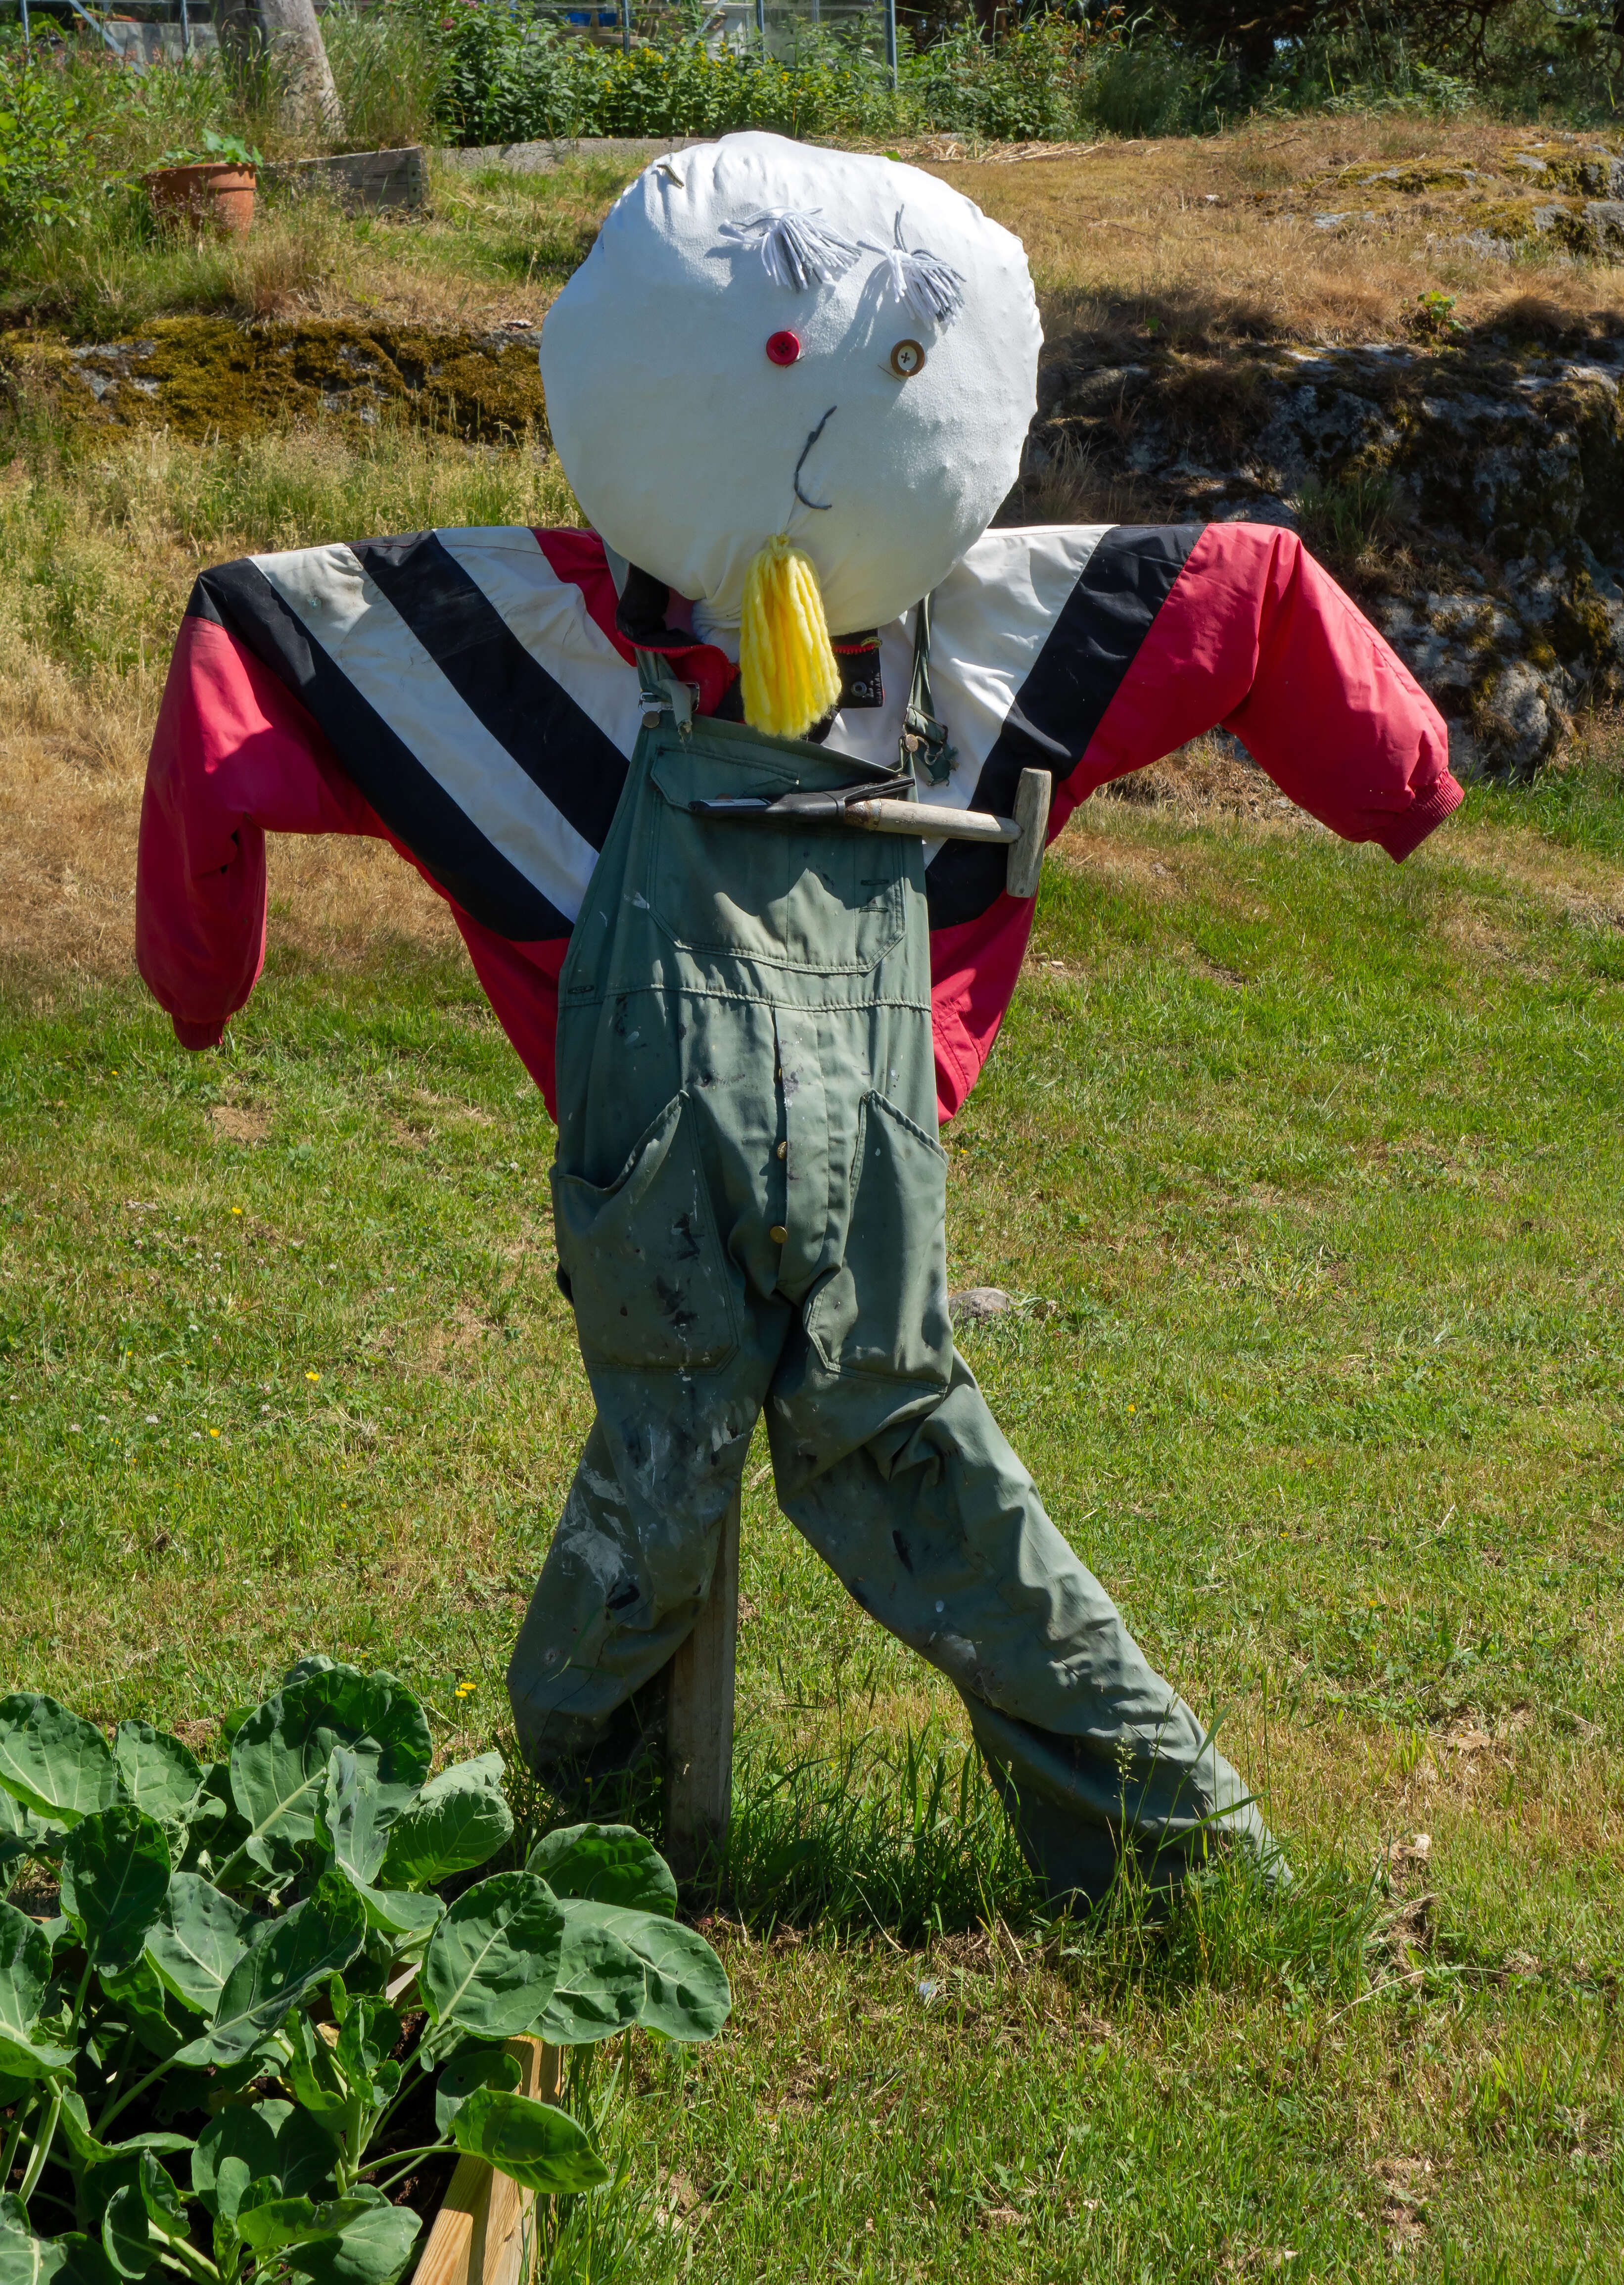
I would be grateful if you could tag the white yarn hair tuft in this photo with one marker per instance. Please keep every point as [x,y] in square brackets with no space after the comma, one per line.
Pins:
[932,289]
[796,249]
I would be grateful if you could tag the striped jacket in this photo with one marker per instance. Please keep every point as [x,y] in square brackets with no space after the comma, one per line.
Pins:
[466,696]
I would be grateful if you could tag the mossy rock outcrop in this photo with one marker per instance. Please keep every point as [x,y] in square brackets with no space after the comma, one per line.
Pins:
[204,376]
[1568,193]
[1471,491]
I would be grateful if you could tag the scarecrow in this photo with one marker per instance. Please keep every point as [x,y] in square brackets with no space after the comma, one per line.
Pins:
[790,388]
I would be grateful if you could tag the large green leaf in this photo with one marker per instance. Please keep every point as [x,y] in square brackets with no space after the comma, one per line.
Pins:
[373,2249]
[280,1755]
[601,1982]
[493,1960]
[353,1816]
[315,1940]
[197,1940]
[404,1913]
[144,2000]
[475,2063]
[610,1864]
[32,2059]
[156,1772]
[24,1834]
[161,2199]
[140,2216]
[25,2259]
[274,2141]
[686,1995]
[268,2224]
[127,2236]
[115,1873]
[238,2146]
[315,1661]
[457,1823]
[540,2146]
[54,1763]
[25,1971]
[82,2261]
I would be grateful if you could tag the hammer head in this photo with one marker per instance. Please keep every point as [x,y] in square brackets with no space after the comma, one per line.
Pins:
[1031,817]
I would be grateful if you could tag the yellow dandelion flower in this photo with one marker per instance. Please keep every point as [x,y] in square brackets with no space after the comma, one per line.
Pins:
[214,1432]
[236,1209]
[312,1376]
[1133,1408]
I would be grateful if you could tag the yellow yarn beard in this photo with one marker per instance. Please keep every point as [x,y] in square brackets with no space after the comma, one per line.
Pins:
[787,667]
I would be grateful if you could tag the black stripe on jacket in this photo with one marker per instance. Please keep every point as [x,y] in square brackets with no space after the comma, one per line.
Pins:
[558,746]
[415,808]
[1085,658]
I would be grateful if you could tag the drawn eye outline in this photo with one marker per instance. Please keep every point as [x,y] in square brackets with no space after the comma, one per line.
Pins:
[906,361]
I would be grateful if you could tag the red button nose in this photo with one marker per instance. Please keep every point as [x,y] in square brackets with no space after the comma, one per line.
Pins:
[783,348]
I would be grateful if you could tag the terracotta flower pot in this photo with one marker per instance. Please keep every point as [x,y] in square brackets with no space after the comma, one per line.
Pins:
[218,196]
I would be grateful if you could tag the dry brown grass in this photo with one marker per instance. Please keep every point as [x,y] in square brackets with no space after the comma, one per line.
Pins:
[97,553]
[73,756]
[1210,240]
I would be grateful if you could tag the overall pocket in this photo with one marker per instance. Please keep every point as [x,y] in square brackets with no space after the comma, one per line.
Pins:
[824,899]
[884,1309]
[652,1289]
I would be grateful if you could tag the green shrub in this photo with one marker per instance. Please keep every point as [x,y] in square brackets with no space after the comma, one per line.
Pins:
[277,1916]
[44,148]
[510,78]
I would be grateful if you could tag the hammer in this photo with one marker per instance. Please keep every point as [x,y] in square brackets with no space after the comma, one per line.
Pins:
[1024,833]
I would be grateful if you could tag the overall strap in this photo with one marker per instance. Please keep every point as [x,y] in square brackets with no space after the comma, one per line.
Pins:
[925,748]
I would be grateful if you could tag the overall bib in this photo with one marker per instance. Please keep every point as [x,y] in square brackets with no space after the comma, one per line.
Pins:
[750,1203]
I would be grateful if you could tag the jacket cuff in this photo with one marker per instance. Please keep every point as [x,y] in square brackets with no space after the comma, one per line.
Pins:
[1407,832]
[198,1035]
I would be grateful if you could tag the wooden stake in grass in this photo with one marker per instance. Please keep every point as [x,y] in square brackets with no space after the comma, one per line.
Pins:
[700,1720]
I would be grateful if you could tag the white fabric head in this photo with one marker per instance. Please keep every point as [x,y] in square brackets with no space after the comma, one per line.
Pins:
[884,449]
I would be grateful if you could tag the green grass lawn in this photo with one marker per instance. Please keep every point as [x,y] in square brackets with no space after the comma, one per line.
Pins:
[1305,1172]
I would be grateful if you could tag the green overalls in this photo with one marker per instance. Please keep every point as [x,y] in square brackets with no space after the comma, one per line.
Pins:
[749,1203]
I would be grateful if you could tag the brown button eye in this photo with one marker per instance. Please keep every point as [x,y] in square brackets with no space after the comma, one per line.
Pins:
[906,359]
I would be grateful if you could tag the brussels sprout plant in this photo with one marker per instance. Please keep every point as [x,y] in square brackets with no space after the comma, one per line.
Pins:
[254,2016]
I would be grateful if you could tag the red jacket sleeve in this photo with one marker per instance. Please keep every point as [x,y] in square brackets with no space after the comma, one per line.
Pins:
[234,756]
[1257,637]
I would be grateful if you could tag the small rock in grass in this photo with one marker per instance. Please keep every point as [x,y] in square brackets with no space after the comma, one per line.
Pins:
[979,1301]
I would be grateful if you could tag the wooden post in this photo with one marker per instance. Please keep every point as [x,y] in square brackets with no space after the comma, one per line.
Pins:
[699,1721]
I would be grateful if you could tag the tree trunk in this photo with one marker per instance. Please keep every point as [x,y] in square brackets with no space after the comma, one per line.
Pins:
[285,35]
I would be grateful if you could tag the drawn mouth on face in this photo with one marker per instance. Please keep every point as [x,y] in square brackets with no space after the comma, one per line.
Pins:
[822,506]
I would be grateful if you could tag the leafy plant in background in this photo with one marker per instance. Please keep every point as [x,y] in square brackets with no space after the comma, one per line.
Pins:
[217,149]
[509,77]
[254,2016]
[43,180]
